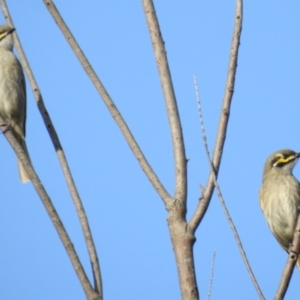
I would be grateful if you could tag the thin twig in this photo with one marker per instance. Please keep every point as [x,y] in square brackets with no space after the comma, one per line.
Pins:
[64,237]
[61,156]
[222,201]
[170,100]
[290,265]
[211,276]
[221,135]
[109,103]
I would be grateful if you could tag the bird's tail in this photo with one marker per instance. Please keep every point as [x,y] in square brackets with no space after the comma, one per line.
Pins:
[23,175]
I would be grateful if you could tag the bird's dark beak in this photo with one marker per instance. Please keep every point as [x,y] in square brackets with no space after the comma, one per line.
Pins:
[297,154]
[11,30]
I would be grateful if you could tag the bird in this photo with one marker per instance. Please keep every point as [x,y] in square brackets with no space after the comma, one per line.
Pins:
[280,196]
[12,92]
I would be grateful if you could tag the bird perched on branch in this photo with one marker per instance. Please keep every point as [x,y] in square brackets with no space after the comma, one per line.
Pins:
[280,196]
[12,92]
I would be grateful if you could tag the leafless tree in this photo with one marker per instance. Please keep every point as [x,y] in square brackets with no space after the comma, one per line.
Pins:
[182,231]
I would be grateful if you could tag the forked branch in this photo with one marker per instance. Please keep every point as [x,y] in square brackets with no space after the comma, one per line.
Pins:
[182,239]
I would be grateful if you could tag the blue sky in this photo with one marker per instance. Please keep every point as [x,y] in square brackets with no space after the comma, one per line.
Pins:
[126,215]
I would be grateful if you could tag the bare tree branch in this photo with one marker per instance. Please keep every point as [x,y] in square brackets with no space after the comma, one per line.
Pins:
[170,100]
[64,237]
[109,103]
[290,265]
[221,135]
[222,201]
[61,156]
[182,239]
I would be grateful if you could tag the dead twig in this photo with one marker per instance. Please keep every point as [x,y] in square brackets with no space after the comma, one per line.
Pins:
[223,123]
[211,276]
[222,201]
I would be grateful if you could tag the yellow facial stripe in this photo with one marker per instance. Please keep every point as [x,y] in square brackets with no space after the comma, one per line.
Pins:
[284,160]
[2,35]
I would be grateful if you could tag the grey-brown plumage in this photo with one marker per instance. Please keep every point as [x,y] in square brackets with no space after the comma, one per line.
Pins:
[12,91]
[280,196]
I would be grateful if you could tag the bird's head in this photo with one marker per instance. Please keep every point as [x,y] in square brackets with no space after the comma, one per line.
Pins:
[281,162]
[6,40]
